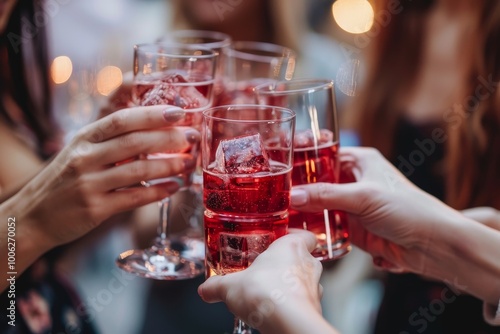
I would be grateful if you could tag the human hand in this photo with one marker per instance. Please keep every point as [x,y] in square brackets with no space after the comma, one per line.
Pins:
[485,215]
[279,289]
[93,177]
[390,218]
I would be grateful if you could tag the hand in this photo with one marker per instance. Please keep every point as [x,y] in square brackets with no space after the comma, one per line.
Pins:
[278,290]
[390,218]
[92,178]
[485,215]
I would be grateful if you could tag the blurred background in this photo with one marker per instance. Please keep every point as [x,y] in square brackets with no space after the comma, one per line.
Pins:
[91,52]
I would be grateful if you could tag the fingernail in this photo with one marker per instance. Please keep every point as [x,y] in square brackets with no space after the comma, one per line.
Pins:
[192,136]
[298,197]
[189,164]
[173,114]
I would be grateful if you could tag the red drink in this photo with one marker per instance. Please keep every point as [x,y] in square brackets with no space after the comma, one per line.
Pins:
[313,165]
[244,214]
[192,94]
[237,92]
[174,88]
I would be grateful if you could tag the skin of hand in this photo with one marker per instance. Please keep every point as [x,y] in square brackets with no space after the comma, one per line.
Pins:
[484,215]
[406,229]
[279,292]
[95,177]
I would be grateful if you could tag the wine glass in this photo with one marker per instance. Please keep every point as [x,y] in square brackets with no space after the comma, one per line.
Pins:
[191,242]
[247,164]
[253,63]
[316,145]
[182,76]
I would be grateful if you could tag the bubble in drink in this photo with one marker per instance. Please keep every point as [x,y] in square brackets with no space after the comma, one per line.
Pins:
[240,250]
[242,155]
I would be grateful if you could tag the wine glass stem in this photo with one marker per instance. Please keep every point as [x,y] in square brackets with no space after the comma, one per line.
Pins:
[163,227]
[240,327]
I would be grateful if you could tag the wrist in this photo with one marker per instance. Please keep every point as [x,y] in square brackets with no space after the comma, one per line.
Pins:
[30,241]
[464,253]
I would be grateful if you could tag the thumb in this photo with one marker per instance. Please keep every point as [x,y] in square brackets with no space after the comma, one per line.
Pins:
[212,291]
[307,237]
[349,197]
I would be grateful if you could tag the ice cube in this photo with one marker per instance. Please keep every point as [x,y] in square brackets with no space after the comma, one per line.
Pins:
[238,251]
[303,139]
[325,136]
[167,91]
[306,138]
[242,155]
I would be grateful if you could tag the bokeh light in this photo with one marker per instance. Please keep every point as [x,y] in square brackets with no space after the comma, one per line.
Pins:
[108,79]
[353,16]
[61,69]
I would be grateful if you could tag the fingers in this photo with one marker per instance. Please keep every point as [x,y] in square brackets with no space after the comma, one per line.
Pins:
[308,238]
[134,172]
[128,199]
[350,197]
[131,119]
[212,291]
[173,140]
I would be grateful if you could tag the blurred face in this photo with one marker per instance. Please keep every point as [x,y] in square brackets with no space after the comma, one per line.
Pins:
[6,7]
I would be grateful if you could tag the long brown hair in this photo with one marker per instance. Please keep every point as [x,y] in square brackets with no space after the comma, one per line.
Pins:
[24,72]
[393,60]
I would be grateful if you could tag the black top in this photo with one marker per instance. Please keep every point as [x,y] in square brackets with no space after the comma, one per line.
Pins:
[412,304]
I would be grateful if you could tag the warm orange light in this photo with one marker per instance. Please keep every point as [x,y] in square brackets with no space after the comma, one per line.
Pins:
[354,16]
[108,79]
[61,69]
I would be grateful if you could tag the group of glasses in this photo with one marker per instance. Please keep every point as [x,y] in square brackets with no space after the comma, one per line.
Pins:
[262,132]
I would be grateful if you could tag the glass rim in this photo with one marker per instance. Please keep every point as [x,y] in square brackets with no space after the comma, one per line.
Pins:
[229,107]
[221,40]
[208,53]
[305,85]
[247,54]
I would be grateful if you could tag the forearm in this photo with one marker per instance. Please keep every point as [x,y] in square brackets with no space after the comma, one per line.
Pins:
[20,246]
[466,254]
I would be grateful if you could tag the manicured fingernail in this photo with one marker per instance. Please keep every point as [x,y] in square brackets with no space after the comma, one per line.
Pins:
[189,164]
[192,136]
[298,197]
[173,114]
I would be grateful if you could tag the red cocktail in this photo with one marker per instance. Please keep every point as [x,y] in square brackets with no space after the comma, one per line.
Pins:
[315,155]
[321,164]
[244,214]
[246,184]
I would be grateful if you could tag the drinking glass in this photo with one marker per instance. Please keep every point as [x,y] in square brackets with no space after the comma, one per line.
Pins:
[247,164]
[213,40]
[253,63]
[316,145]
[191,242]
[183,76]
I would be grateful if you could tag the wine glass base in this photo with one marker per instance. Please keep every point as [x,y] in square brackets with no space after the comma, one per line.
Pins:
[189,248]
[158,263]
